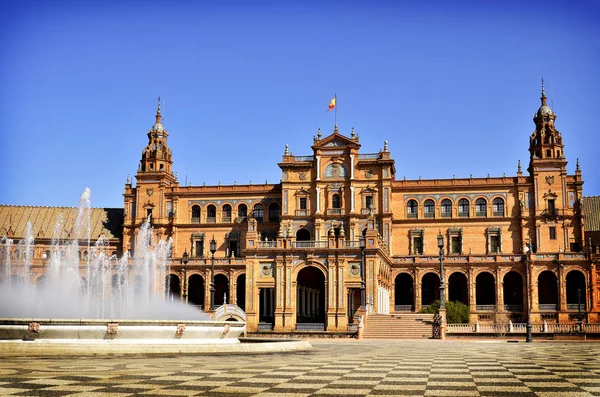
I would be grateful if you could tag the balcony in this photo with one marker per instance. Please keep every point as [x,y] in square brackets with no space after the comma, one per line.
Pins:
[352,244]
[365,211]
[481,214]
[498,213]
[548,307]
[574,306]
[428,214]
[403,308]
[412,215]
[485,308]
[195,219]
[304,158]
[335,211]
[463,214]
[266,244]
[446,214]
[302,212]
[368,156]
[513,308]
[226,219]
[309,244]
[211,219]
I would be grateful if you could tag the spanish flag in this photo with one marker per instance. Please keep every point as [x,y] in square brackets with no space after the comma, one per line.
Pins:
[332,103]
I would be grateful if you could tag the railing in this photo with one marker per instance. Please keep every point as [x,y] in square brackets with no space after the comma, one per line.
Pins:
[226,309]
[309,244]
[446,214]
[304,158]
[485,308]
[310,327]
[366,211]
[335,211]
[411,215]
[547,307]
[459,328]
[498,213]
[521,328]
[226,219]
[240,219]
[302,212]
[352,244]
[428,214]
[211,219]
[513,308]
[265,327]
[403,308]
[195,220]
[482,214]
[463,214]
[266,244]
[575,306]
[368,156]
[352,327]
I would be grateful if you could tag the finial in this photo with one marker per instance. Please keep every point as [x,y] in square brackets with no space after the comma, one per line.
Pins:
[176,176]
[287,150]
[577,165]
[385,146]
[335,128]
[158,110]
[128,179]
[319,133]
[519,166]
[543,91]
[352,133]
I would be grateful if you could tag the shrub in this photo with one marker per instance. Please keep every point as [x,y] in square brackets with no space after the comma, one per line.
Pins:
[456,312]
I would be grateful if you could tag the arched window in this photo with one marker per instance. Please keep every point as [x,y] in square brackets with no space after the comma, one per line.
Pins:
[446,208]
[411,209]
[274,212]
[429,208]
[463,207]
[226,217]
[242,211]
[498,207]
[335,201]
[16,254]
[85,255]
[259,212]
[211,214]
[196,214]
[480,207]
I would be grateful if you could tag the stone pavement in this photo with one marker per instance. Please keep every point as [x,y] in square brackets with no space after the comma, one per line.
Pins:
[336,367]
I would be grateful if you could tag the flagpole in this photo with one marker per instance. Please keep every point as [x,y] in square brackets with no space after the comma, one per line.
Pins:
[335,116]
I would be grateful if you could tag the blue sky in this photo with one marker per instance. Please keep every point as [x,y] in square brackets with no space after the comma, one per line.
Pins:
[452,86]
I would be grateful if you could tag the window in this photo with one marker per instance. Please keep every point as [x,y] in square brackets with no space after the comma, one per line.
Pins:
[455,244]
[446,208]
[463,208]
[335,201]
[274,212]
[495,244]
[416,241]
[574,247]
[368,201]
[242,211]
[226,216]
[149,213]
[196,214]
[498,207]
[303,203]
[480,207]
[211,214]
[199,248]
[258,212]
[429,208]
[411,209]
[552,231]
[494,240]
[418,245]
[551,207]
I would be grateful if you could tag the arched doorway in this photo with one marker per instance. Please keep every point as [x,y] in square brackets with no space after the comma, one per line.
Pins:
[485,292]
[404,293]
[221,289]
[310,297]
[430,289]
[513,291]
[302,235]
[547,291]
[196,291]
[458,290]
[575,281]
[240,291]
[173,287]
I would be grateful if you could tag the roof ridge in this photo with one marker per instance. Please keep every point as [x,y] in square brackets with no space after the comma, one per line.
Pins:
[55,206]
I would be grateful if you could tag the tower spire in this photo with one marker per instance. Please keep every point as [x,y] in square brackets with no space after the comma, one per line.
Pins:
[543,98]
[158,115]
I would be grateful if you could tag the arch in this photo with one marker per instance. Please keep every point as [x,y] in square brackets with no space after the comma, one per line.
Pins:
[430,288]
[576,281]
[211,213]
[547,288]
[173,287]
[481,207]
[429,208]
[302,235]
[240,291]
[411,208]
[336,202]
[274,212]
[195,213]
[463,207]
[404,292]
[498,206]
[458,288]
[226,213]
[258,212]
[242,211]
[485,289]
[310,295]
[446,208]
[513,288]
[196,290]
[221,289]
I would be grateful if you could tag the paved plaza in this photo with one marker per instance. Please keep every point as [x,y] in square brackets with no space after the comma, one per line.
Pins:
[336,367]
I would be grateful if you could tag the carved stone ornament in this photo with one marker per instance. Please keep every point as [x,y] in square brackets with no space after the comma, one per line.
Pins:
[112,328]
[368,174]
[34,328]
[266,270]
[149,191]
[180,329]
[550,179]
[354,269]
[302,176]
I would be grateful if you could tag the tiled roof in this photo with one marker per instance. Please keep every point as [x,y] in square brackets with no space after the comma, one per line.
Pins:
[591,208]
[104,221]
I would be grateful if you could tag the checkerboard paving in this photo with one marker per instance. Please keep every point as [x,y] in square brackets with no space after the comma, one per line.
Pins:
[331,368]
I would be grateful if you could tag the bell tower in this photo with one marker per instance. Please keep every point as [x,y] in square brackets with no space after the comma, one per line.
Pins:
[157,159]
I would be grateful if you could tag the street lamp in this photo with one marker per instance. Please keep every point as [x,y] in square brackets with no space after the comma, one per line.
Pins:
[579,318]
[528,338]
[185,261]
[213,249]
[363,243]
[440,241]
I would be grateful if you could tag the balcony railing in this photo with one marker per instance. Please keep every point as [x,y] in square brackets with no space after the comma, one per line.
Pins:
[309,244]
[463,214]
[428,214]
[365,211]
[411,215]
[403,308]
[302,212]
[304,158]
[195,220]
[266,244]
[335,211]
[446,214]
[211,219]
[368,156]
[513,308]
[352,244]
[310,327]
[481,214]
[575,306]
[547,307]
[265,327]
[226,219]
[498,213]
[485,308]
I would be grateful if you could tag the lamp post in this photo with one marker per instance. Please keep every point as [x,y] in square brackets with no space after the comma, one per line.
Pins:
[363,292]
[440,241]
[185,261]
[579,318]
[528,338]
[213,249]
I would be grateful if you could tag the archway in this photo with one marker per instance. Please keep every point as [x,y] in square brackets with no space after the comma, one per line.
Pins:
[404,292]
[302,235]
[547,291]
[513,291]
[196,291]
[575,281]
[458,290]
[310,296]
[430,289]
[221,289]
[485,290]
[173,287]
[240,291]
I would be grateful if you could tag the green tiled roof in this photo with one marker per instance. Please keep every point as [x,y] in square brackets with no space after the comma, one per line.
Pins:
[591,208]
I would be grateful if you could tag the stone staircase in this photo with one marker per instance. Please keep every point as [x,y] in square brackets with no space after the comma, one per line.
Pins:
[399,326]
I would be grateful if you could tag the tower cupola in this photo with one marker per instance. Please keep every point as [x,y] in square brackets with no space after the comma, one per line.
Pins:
[546,141]
[156,156]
